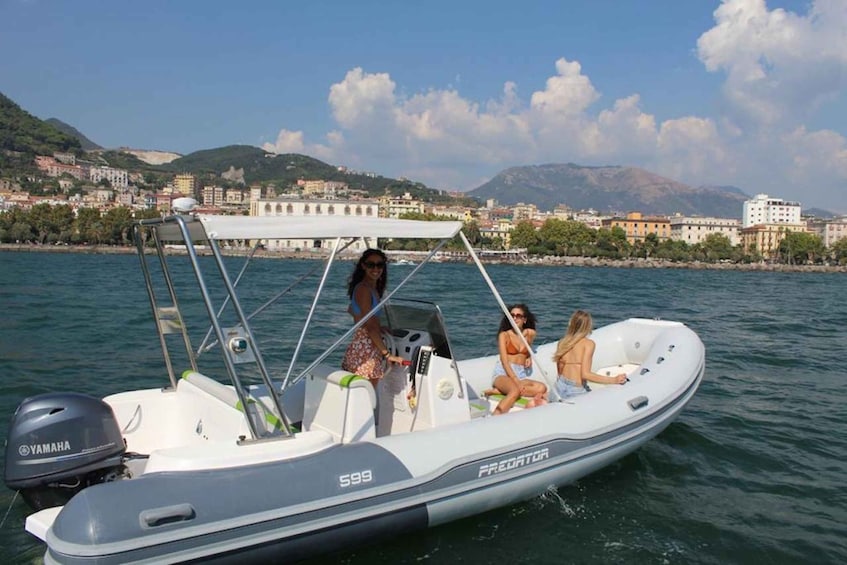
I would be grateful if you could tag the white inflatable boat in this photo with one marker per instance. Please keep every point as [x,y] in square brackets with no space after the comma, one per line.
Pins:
[213,468]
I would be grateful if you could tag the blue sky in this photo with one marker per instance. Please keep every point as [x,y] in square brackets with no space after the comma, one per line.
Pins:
[740,92]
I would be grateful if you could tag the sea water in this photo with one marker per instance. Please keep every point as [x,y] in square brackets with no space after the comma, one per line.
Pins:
[753,471]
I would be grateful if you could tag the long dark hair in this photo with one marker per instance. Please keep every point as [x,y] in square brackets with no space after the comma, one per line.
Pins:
[359,272]
[529,321]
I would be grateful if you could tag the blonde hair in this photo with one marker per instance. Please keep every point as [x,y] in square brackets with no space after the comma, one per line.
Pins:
[579,327]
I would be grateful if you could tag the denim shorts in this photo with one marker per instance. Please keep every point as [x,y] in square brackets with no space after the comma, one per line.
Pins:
[567,388]
[520,371]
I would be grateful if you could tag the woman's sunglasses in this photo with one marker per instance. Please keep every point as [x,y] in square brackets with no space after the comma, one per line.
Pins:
[517,315]
[374,264]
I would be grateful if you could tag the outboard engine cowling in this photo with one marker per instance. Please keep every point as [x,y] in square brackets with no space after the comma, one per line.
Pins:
[60,443]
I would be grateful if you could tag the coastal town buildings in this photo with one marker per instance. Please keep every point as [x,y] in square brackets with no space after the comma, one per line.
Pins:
[637,226]
[498,231]
[830,231]
[185,184]
[66,158]
[396,206]
[694,229]
[294,207]
[589,218]
[54,168]
[763,209]
[117,178]
[766,221]
[521,211]
[77,183]
[213,195]
[562,212]
[322,188]
[765,238]
[236,197]
[460,213]
[834,230]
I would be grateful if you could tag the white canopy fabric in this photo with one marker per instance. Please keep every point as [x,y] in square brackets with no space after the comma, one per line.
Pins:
[312,227]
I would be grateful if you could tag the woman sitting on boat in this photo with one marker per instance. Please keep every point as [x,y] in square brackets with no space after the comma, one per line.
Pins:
[573,358]
[367,352]
[512,371]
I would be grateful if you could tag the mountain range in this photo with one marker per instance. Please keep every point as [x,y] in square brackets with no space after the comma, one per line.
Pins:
[605,189]
[609,189]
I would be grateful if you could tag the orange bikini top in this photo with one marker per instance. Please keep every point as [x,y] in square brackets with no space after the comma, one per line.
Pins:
[511,349]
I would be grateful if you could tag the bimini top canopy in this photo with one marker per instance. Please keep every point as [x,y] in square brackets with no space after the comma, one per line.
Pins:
[203,227]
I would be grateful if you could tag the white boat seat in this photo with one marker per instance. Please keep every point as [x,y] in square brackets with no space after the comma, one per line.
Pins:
[520,403]
[340,403]
[265,419]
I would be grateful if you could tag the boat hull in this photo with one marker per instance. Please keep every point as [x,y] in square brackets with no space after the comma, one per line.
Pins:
[356,493]
[298,521]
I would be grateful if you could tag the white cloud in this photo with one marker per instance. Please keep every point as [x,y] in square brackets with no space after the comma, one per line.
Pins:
[287,142]
[568,94]
[821,153]
[292,142]
[361,98]
[691,148]
[779,67]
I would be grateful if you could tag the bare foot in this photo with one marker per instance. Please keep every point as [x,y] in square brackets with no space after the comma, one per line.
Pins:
[490,391]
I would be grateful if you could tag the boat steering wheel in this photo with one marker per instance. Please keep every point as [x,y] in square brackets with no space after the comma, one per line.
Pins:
[391,345]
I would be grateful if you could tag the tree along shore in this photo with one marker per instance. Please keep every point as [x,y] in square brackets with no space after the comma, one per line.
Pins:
[548,260]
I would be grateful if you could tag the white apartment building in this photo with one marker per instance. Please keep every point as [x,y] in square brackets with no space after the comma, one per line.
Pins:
[501,229]
[590,218]
[306,207]
[453,212]
[235,196]
[694,230]
[521,211]
[834,230]
[311,187]
[332,188]
[118,178]
[396,206]
[322,188]
[762,209]
[562,212]
[213,195]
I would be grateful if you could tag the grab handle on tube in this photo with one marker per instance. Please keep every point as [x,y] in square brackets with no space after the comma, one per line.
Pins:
[156,517]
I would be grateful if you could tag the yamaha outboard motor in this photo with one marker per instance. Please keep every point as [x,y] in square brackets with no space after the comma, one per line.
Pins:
[60,443]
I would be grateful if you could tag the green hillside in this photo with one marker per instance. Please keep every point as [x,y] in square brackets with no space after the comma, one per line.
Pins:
[120,160]
[23,136]
[260,166]
[85,143]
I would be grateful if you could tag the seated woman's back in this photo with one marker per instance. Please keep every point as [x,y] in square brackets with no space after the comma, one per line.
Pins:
[576,363]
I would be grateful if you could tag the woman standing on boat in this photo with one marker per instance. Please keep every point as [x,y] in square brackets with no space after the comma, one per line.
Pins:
[574,356]
[367,353]
[511,373]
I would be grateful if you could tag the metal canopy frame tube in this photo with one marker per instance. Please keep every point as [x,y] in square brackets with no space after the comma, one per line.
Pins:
[202,347]
[151,295]
[260,362]
[505,309]
[166,273]
[207,300]
[311,311]
[366,317]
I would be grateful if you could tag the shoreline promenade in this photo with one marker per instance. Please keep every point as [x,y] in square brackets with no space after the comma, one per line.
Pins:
[548,260]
